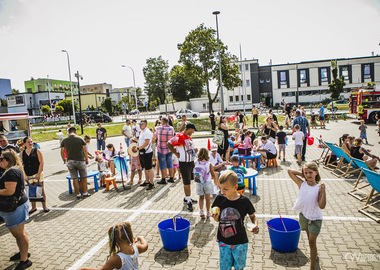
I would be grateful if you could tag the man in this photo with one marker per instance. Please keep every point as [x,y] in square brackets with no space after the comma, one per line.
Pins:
[101,136]
[322,116]
[305,128]
[182,124]
[127,132]
[185,153]
[212,121]
[268,151]
[4,145]
[170,118]
[135,129]
[146,154]
[255,116]
[163,134]
[76,161]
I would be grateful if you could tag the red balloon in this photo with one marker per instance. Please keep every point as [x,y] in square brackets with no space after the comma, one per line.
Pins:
[231,118]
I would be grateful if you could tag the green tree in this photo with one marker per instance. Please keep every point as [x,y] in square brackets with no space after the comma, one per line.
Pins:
[15,91]
[3,102]
[199,52]
[107,105]
[371,85]
[155,73]
[184,83]
[337,84]
[45,110]
[59,109]
[128,101]
[67,106]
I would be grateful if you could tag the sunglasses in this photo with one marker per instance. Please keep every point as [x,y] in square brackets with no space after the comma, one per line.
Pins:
[141,124]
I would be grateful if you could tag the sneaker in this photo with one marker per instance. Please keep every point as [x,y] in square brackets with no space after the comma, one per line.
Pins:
[192,200]
[202,214]
[190,206]
[263,166]
[208,214]
[171,180]
[150,186]
[17,257]
[23,265]
[86,195]
[79,197]
[144,184]
[162,182]
[284,159]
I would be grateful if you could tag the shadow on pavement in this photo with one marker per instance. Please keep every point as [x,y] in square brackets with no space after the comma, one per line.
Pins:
[165,257]
[291,259]
[203,232]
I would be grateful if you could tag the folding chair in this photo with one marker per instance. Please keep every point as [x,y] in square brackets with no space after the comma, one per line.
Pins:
[374,181]
[361,164]
[351,165]
[325,151]
[330,147]
[334,149]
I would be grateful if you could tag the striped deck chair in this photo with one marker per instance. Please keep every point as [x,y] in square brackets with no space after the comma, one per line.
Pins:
[374,181]
[357,192]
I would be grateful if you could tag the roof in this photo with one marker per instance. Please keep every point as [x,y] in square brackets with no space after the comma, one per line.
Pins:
[13,116]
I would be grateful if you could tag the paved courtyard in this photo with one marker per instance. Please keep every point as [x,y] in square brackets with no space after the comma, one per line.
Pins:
[74,232]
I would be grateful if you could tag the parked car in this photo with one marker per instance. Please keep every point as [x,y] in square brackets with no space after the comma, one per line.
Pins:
[188,113]
[338,105]
[136,111]
[98,116]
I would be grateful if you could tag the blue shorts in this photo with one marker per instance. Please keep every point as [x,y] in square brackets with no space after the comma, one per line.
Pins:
[165,160]
[363,136]
[232,255]
[17,217]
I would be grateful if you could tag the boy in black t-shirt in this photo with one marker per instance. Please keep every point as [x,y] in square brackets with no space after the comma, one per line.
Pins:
[281,141]
[230,210]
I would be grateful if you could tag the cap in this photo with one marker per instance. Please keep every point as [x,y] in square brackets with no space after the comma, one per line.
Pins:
[214,147]
[232,137]
[190,125]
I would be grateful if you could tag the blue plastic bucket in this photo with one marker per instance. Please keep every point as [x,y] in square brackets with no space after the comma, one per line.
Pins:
[284,241]
[174,239]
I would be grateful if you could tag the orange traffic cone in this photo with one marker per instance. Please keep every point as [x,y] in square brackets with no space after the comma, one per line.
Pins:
[208,144]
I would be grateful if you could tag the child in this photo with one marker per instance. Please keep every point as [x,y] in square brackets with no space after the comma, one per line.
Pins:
[135,165]
[281,140]
[363,131]
[313,121]
[175,163]
[60,136]
[298,138]
[255,145]
[124,250]
[248,140]
[311,199]
[240,171]
[203,172]
[87,140]
[230,209]
[103,170]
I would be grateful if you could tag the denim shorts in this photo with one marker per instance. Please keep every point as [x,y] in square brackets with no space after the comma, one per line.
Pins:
[127,141]
[232,255]
[17,217]
[75,167]
[165,160]
[206,188]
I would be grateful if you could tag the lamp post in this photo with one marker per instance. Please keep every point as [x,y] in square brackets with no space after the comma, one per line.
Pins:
[71,86]
[216,13]
[134,82]
[78,76]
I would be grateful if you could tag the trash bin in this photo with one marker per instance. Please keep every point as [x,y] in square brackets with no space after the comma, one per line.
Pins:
[284,240]
[174,237]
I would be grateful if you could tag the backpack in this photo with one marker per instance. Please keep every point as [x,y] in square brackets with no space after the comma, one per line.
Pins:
[201,172]
[240,174]
[218,138]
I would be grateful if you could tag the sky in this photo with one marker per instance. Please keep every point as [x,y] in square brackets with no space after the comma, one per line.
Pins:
[101,36]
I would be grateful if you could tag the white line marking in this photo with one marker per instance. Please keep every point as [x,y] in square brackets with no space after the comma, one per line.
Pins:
[323,179]
[98,246]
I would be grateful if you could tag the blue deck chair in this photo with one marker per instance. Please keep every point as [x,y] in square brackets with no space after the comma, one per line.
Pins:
[334,149]
[351,167]
[325,151]
[374,181]
[361,164]
[328,157]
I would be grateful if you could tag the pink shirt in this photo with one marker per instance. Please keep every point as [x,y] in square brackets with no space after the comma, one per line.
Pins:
[247,142]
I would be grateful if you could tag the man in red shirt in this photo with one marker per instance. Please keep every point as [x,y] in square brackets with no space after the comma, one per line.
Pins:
[185,153]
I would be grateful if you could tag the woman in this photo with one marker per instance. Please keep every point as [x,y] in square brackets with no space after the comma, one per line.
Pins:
[33,162]
[15,212]
[224,149]
[269,129]
[344,142]
[357,151]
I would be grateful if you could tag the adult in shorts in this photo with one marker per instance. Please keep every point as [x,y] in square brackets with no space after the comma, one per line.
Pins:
[146,154]
[322,116]
[76,161]
[268,151]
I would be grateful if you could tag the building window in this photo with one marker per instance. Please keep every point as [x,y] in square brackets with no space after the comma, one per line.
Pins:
[247,82]
[302,76]
[246,67]
[248,97]
[345,72]
[283,79]
[236,98]
[242,98]
[231,99]
[367,71]
[267,80]
[261,80]
[96,88]
[324,75]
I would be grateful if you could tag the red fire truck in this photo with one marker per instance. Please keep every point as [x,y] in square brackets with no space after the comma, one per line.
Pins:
[365,103]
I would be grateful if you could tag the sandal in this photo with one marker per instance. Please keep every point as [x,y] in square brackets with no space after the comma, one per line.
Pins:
[202,213]
[47,210]
[32,211]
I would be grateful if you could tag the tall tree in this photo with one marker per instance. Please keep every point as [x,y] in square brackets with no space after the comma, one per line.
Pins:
[67,106]
[107,104]
[199,52]
[337,84]
[155,73]
[184,83]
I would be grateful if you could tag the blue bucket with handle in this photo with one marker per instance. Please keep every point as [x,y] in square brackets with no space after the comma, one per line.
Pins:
[174,233]
[284,234]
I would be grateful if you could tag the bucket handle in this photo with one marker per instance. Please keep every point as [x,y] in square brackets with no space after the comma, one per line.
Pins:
[175,221]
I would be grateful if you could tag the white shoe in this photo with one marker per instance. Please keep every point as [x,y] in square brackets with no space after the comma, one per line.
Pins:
[263,166]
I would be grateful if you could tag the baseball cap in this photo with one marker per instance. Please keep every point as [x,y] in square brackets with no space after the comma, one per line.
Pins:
[214,147]
[190,125]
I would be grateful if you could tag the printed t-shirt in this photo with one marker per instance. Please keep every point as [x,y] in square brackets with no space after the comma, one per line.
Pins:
[185,147]
[100,132]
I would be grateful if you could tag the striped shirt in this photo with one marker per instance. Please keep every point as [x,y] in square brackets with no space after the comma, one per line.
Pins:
[164,133]
[303,122]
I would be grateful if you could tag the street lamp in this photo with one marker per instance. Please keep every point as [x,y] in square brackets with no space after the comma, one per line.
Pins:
[134,82]
[78,76]
[216,13]
[71,86]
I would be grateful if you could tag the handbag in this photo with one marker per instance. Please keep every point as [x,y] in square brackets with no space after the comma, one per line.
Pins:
[9,204]
[34,192]
[218,138]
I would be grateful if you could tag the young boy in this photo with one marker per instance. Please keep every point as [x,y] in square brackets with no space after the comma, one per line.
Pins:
[363,131]
[230,209]
[60,136]
[240,171]
[87,140]
[298,138]
[281,141]
[313,120]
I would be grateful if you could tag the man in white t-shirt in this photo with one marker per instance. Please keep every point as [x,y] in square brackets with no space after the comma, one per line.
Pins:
[127,132]
[135,129]
[268,151]
[146,154]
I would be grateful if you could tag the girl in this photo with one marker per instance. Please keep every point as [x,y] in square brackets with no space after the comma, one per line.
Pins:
[109,154]
[175,163]
[344,142]
[223,149]
[310,202]
[124,250]
[103,170]
[203,172]
[248,140]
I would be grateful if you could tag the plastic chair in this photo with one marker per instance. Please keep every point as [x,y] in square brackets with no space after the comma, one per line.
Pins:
[361,164]
[374,181]
[272,162]
[111,180]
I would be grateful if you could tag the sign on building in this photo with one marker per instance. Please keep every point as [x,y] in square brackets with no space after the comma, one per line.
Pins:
[13,101]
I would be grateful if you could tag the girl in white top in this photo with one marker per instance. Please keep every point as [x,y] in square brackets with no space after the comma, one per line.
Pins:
[109,154]
[310,202]
[123,252]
